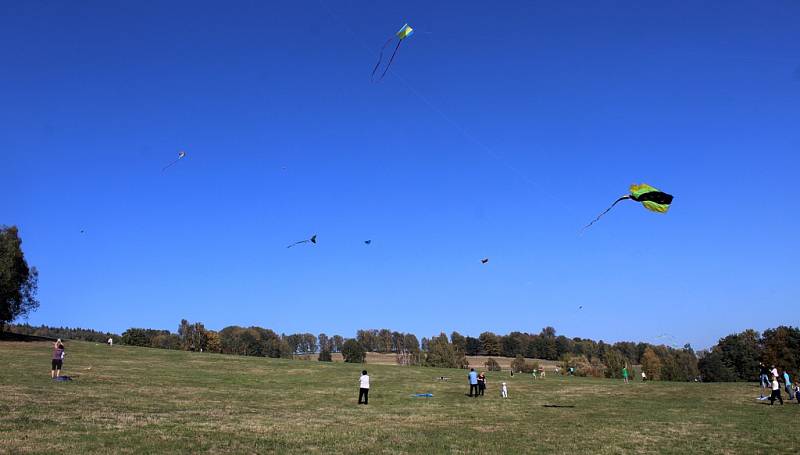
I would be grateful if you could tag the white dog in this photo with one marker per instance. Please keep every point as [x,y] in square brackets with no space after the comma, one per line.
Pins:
[504,391]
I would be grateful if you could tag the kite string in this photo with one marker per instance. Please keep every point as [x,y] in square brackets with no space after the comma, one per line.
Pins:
[170,164]
[447,118]
[485,148]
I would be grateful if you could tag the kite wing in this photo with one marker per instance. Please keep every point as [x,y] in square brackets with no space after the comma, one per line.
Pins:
[651,198]
[404,32]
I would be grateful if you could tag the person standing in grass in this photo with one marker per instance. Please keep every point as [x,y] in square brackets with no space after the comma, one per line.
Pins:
[787,383]
[625,373]
[58,359]
[363,391]
[481,383]
[776,391]
[763,378]
[473,382]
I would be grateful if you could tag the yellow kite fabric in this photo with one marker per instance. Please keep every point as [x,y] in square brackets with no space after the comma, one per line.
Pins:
[405,32]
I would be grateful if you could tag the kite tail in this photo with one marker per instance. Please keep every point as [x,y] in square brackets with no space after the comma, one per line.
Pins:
[391,59]
[380,59]
[169,165]
[607,210]
[298,243]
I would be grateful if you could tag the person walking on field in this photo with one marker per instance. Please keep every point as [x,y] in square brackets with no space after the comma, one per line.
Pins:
[625,373]
[363,391]
[58,359]
[473,382]
[481,383]
[787,384]
[776,392]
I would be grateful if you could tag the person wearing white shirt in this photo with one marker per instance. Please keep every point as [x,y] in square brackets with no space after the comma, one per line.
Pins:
[776,391]
[363,392]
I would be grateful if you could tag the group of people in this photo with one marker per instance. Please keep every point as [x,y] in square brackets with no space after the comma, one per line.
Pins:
[477,383]
[769,378]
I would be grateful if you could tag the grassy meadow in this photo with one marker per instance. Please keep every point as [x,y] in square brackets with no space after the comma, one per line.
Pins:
[134,400]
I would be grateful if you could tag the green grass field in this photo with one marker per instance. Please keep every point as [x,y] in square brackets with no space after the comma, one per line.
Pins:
[157,401]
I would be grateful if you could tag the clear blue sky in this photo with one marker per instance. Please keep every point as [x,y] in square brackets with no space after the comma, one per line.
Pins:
[501,132]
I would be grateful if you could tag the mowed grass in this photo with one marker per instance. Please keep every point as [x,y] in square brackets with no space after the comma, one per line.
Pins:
[147,400]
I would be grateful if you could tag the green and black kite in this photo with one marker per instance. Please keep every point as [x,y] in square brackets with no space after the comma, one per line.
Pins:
[651,199]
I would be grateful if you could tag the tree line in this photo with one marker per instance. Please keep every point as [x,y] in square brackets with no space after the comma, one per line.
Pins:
[734,358]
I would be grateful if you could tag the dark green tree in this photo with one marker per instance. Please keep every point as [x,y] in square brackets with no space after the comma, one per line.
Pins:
[782,348]
[18,282]
[353,352]
[441,353]
[473,346]
[490,344]
[713,369]
[459,342]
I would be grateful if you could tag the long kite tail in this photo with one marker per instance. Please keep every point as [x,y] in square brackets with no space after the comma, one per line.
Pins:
[169,165]
[298,243]
[380,59]
[606,211]
[391,59]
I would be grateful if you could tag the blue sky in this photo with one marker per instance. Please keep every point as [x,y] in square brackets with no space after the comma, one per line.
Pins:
[499,133]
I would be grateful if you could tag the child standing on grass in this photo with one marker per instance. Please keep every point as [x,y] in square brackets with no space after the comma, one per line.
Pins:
[481,383]
[625,374]
[363,391]
[776,392]
[58,359]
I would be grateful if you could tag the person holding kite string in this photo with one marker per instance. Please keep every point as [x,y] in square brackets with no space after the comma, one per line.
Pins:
[57,360]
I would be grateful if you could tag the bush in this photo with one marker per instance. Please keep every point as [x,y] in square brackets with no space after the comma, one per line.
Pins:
[492,365]
[353,352]
[325,356]
[520,365]
[583,367]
